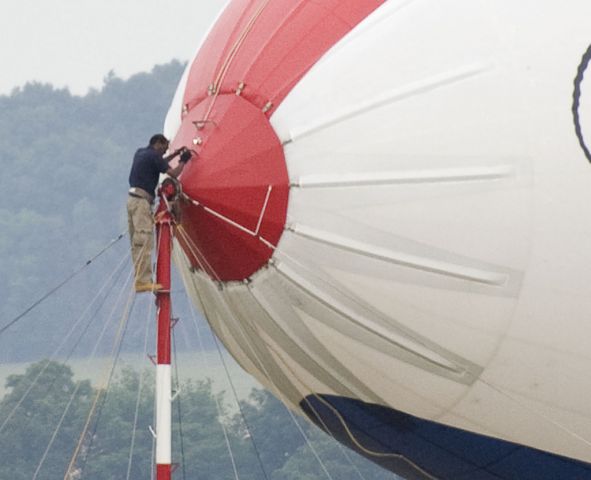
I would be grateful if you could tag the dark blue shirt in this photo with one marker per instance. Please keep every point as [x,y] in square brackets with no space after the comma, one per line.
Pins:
[147,166]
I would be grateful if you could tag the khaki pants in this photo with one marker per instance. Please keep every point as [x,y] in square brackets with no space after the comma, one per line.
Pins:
[141,236]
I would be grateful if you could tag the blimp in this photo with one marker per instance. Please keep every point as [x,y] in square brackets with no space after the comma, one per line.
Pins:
[387,221]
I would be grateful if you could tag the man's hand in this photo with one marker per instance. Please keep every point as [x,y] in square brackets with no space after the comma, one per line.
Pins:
[173,154]
[185,155]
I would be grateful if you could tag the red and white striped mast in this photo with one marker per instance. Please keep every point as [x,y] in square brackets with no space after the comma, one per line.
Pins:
[164,221]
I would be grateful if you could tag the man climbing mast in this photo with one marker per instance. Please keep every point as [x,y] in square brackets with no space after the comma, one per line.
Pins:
[148,164]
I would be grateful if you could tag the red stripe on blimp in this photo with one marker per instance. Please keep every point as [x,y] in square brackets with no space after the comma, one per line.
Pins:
[254,56]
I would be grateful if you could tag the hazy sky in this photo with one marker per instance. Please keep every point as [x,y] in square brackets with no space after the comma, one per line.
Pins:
[75,43]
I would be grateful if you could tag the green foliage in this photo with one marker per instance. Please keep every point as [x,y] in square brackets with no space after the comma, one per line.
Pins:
[25,436]
[267,428]
[207,429]
[297,452]
[65,161]
[106,455]
[341,463]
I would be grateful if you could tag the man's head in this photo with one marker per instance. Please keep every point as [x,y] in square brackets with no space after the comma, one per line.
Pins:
[159,143]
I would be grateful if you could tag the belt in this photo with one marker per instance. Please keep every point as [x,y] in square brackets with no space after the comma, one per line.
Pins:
[140,193]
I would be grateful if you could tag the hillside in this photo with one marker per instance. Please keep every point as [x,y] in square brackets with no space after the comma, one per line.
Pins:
[65,161]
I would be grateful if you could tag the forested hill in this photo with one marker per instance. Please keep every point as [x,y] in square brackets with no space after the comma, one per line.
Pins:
[65,161]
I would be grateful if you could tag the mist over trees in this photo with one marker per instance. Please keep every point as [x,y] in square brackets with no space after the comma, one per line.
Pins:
[65,161]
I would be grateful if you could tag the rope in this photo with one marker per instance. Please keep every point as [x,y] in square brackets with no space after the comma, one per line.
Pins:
[352,298]
[56,430]
[284,402]
[100,306]
[60,285]
[240,406]
[179,409]
[232,55]
[193,248]
[189,241]
[344,422]
[349,459]
[325,427]
[242,415]
[118,338]
[106,387]
[196,252]
[312,392]
[153,456]
[278,393]
[79,383]
[309,443]
[537,413]
[233,388]
[139,395]
[217,401]
[65,339]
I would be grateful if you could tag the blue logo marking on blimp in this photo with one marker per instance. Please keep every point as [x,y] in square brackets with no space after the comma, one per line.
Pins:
[582,104]
[418,449]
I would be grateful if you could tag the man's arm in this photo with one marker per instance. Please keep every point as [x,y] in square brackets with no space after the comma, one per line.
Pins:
[184,158]
[176,171]
[171,155]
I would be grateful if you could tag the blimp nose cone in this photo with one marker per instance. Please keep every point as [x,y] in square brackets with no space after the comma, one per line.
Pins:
[236,188]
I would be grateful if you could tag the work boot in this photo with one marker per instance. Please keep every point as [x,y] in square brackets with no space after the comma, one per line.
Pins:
[148,287]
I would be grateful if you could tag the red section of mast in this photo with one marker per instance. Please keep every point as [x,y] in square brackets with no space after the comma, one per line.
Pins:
[164,238]
[163,368]
[163,472]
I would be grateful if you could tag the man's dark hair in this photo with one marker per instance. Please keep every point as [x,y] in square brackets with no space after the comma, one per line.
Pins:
[158,138]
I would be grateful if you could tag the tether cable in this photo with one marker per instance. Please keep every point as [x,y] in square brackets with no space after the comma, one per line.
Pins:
[118,339]
[355,300]
[76,389]
[56,431]
[139,396]
[65,339]
[178,404]
[201,345]
[104,391]
[179,260]
[227,372]
[61,284]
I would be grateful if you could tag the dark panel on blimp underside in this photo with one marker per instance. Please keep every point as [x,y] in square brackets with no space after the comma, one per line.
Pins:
[418,449]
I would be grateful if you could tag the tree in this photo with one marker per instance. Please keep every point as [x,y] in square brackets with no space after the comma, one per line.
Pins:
[44,392]
[329,456]
[263,430]
[291,451]
[66,160]
[109,445]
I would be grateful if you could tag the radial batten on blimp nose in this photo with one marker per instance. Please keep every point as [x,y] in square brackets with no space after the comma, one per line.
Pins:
[239,187]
